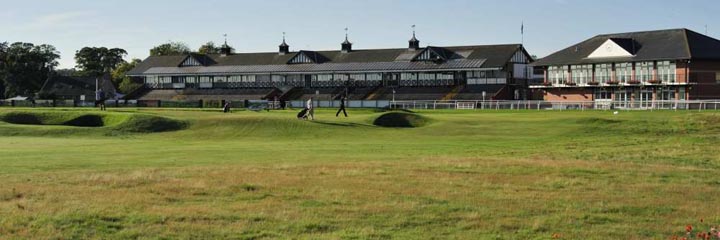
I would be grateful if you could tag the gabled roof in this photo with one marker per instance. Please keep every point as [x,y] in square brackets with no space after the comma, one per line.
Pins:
[491,56]
[307,57]
[202,59]
[672,44]
[76,86]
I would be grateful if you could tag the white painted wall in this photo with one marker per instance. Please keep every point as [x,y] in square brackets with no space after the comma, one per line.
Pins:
[609,49]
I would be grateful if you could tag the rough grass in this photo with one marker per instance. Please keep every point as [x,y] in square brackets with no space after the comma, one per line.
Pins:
[468,175]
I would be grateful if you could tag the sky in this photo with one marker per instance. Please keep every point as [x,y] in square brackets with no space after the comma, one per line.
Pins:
[257,26]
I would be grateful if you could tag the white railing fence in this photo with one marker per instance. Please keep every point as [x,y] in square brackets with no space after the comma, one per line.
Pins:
[429,104]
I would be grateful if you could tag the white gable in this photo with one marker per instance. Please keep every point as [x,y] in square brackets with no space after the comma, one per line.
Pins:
[609,49]
[190,62]
[301,57]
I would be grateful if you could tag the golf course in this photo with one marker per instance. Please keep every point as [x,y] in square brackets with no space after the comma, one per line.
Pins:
[431,174]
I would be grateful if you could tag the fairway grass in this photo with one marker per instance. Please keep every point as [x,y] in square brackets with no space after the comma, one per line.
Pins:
[266,175]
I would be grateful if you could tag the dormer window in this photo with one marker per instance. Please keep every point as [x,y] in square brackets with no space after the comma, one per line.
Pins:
[190,62]
[301,58]
[307,57]
[432,54]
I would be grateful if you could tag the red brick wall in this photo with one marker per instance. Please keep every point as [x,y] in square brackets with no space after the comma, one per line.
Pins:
[568,94]
[703,75]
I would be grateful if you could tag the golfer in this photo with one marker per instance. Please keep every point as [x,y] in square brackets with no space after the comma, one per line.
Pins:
[310,109]
[342,107]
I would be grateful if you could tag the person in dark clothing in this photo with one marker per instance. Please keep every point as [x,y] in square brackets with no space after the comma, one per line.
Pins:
[100,99]
[342,107]
[282,103]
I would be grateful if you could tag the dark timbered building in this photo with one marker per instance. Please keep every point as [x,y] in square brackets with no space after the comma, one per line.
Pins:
[412,73]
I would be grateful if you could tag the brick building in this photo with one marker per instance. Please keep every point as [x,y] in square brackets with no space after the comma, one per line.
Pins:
[642,67]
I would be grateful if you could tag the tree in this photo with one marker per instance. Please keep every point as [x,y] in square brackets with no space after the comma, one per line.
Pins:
[119,76]
[24,67]
[3,56]
[96,61]
[209,48]
[170,48]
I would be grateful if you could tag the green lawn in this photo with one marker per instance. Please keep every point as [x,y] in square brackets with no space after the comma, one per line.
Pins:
[265,175]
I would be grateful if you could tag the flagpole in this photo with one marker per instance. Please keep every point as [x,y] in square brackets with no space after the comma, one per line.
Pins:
[522,33]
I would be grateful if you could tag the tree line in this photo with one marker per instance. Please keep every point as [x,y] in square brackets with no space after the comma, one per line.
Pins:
[24,67]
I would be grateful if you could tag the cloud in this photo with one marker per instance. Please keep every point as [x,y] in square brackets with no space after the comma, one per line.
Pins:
[63,20]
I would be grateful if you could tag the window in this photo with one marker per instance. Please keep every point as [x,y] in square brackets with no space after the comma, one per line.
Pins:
[374,76]
[623,72]
[644,71]
[426,76]
[581,74]
[408,76]
[357,77]
[340,77]
[322,77]
[603,95]
[603,72]
[278,78]
[445,76]
[558,75]
[666,71]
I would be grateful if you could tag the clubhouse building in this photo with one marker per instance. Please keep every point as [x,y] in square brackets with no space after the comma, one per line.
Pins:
[643,67]
[411,73]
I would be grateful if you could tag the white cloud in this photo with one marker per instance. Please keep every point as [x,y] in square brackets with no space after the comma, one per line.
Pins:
[63,20]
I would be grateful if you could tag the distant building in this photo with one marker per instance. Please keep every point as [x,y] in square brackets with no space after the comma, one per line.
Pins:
[412,73]
[75,88]
[676,64]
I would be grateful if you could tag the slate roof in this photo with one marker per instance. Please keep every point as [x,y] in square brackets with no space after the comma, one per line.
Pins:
[671,44]
[75,86]
[480,56]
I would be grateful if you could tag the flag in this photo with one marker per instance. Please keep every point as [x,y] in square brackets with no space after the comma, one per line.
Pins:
[522,27]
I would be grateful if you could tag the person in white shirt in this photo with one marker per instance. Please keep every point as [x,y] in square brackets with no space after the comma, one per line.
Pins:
[310,109]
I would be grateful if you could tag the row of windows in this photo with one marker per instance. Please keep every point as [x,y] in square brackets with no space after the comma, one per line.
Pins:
[301,78]
[644,95]
[582,74]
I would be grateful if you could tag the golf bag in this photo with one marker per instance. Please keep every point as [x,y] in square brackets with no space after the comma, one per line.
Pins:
[302,114]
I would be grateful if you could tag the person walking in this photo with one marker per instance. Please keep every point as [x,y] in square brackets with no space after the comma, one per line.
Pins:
[226,108]
[342,107]
[310,109]
[100,99]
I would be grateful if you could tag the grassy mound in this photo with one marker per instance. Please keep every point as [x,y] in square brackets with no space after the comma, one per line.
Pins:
[149,124]
[400,120]
[124,122]
[76,119]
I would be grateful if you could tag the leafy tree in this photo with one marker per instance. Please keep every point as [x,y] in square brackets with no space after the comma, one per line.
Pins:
[120,78]
[96,61]
[128,85]
[24,67]
[3,56]
[209,48]
[70,72]
[170,48]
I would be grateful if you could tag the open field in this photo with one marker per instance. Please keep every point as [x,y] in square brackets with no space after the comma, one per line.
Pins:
[465,175]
